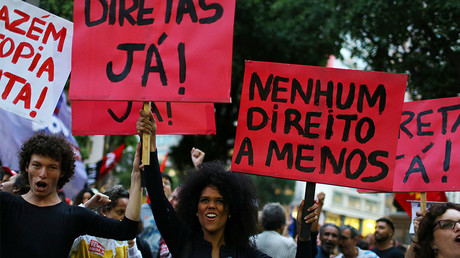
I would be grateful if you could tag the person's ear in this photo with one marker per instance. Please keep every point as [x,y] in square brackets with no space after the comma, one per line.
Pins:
[16,190]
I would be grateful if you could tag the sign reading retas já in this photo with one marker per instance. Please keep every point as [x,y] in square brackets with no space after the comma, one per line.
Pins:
[169,50]
[428,147]
[35,52]
[317,124]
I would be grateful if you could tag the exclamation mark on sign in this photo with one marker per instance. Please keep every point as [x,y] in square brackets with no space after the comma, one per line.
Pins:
[182,66]
[39,102]
[168,111]
[446,164]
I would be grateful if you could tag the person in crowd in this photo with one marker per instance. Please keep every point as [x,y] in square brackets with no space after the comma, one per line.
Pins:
[363,244]
[83,196]
[271,241]
[151,234]
[370,238]
[437,232]
[38,224]
[87,245]
[16,184]
[6,173]
[383,246]
[348,238]
[197,156]
[329,238]
[216,213]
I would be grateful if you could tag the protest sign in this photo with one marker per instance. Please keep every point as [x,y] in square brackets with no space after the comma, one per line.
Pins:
[152,50]
[429,141]
[15,130]
[35,52]
[119,117]
[318,124]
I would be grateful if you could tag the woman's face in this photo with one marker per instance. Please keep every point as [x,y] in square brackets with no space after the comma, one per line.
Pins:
[86,197]
[117,212]
[448,240]
[212,211]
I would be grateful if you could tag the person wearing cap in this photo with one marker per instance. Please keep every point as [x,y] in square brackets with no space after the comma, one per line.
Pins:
[7,173]
[383,247]
[45,225]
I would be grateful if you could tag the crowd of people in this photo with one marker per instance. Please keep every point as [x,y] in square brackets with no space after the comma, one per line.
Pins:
[214,212]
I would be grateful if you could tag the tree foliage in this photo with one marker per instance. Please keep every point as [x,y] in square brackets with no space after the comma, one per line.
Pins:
[419,38]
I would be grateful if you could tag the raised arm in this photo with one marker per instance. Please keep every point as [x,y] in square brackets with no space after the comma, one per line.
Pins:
[410,253]
[171,228]
[305,247]
[197,156]
[133,209]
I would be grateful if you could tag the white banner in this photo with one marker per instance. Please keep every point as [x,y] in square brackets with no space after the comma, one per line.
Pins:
[35,59]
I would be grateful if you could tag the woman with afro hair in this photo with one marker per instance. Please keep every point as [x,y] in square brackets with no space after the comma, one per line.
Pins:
[217,210]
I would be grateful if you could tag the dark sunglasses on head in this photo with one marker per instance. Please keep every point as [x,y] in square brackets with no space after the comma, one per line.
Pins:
[447,224]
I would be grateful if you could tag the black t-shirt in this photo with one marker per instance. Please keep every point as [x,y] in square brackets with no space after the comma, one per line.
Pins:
[391,252]
[27,230]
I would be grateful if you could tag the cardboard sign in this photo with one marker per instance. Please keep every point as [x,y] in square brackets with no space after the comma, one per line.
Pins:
[35,49]
[119,117]
[318,124]
[152,50]
[429,142]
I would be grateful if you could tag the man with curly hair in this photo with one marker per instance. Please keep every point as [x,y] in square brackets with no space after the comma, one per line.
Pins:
[38,224]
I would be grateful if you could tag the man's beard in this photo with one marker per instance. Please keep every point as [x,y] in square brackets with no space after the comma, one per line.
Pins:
[327,249]
[381,238]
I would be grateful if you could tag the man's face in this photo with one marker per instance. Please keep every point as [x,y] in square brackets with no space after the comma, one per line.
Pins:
[167,187]
[382,232]
[329,239]
[346,243]
[44,173]
[174,199]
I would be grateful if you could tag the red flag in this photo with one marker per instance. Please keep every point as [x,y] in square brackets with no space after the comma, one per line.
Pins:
[403,198]
[163,164]
[109,161]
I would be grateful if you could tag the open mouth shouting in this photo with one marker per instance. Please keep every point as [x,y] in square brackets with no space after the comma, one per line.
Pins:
[41,186]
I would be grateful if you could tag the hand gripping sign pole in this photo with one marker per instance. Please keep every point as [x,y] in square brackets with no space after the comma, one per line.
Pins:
[305,228]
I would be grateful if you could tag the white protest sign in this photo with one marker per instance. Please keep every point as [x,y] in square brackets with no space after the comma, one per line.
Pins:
[35,58]
[416,207]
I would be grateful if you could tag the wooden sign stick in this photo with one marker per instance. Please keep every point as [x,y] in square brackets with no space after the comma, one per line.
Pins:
[146,139]
[423,201]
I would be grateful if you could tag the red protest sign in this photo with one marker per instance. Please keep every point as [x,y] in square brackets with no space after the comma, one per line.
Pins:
[429,141]
[152,50]
[35,49]
[119,117]
[318,124]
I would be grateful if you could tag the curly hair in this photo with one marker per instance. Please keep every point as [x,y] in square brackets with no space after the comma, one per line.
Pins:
[238,193]
[423,247]
[52,146]
[114,193]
